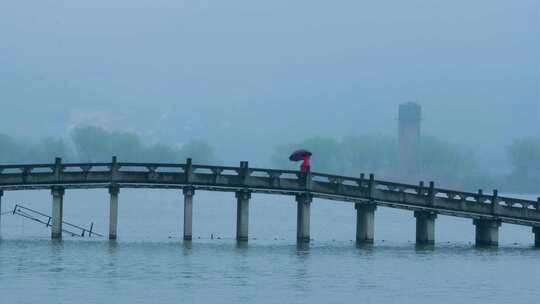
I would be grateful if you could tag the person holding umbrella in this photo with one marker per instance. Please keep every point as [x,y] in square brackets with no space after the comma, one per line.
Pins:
[303,155]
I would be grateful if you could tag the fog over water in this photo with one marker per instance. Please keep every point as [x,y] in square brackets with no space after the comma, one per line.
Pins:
[247,75]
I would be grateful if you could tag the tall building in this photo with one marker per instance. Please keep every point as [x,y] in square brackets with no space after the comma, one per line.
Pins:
[409,141]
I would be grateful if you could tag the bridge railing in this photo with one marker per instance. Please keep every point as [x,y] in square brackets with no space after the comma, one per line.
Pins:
[243,176]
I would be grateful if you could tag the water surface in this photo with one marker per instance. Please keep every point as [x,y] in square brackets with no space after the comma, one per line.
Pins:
[150,264]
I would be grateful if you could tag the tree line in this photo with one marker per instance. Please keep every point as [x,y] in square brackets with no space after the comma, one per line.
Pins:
[444,162]
[441,161]
[96,144]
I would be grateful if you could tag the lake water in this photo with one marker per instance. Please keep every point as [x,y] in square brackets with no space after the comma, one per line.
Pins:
[151,264]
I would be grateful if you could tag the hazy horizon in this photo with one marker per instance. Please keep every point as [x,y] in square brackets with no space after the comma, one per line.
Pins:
[248,76]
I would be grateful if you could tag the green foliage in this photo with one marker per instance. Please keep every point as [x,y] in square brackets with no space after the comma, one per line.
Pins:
[46,150]
[199,151]
[351,155]
[368,153]
[97,144]
[325,149]
[377,154]
[524,157]
[163,153]
[10,151]
[442,160]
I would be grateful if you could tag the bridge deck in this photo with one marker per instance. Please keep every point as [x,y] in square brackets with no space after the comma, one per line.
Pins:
[259,180]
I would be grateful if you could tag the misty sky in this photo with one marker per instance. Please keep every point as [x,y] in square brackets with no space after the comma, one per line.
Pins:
[246,75]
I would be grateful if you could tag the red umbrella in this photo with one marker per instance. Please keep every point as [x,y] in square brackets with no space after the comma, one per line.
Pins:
[299,155]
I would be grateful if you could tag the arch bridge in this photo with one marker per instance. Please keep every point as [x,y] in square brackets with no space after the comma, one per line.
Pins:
[487,211]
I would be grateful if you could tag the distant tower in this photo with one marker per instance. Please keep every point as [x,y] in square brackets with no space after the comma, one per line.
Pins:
[409,140]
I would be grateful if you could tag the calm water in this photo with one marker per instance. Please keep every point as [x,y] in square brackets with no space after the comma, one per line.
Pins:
[150,264]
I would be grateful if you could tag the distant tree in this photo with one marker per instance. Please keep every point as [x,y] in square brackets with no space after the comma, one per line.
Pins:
[97,144]
[444,161]
[127,146]
[326,154]
[199,151]
[352,155]
[279,157]
[367,153]
[92,143]
[524,157]
[10,150]
[163,153]
[326,151]
[49,148]
[13,151]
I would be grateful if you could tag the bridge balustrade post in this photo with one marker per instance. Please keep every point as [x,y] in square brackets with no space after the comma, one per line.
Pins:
[302,217]
[189,192]
[420,188]
[242,215]
[536,231]
[306,179]
[494,201]
[114,190]
[188,170]
[480,196]
[244,172]
[371,185]
[114,169]
[425,227]
[431,193]
[365,222]
[487,232]
[1,194]
[58,169]
[57,193]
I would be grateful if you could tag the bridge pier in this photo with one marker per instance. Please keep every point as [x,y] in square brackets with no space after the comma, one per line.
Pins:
[425,227]
[302,217]
[113,211]
[365,221]
[57,193]
[242,215]
[536,231]
[487,232]
[189,192]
